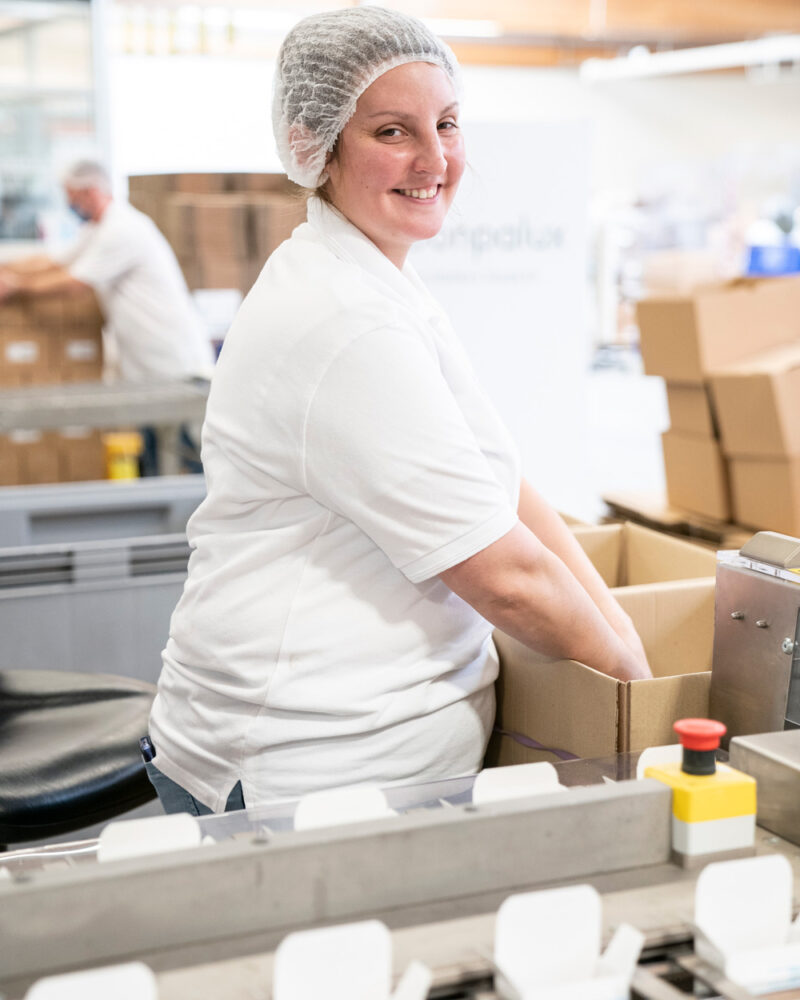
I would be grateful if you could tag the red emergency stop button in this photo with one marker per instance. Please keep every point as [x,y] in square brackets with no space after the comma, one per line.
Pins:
[699,734]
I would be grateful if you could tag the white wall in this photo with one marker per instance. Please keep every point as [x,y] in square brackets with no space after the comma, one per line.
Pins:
[201,113]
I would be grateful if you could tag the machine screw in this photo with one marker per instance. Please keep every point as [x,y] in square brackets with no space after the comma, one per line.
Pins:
[737,615]
[787,645]
[762,623]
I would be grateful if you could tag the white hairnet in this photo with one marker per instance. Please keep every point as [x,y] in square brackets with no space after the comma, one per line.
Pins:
[326,63]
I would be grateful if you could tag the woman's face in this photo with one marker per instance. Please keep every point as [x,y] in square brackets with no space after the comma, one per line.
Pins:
[399,159]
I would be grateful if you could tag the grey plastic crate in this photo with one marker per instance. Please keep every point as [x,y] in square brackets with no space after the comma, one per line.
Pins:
[70,512]
[92,607]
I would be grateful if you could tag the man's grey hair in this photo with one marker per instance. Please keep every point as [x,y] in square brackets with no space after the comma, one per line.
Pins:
[87,174]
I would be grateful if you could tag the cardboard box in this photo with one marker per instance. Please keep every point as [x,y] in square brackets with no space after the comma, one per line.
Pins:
[200,183]
[222,226]
[697,474]
[9,466]
[570,708]
[81,455]
[685,338]
[150,184]
[628,554]
[691,409]
[262,182]
[275,217]
[213,271]
[13,315]
[37,456]
[766,493]
[758,403]
[179,224]
[25,358]
[78,358]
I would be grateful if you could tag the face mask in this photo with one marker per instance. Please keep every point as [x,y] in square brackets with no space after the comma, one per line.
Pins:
[83,216]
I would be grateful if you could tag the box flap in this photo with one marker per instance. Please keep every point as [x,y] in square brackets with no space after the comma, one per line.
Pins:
[676,623]
[653,557]
[603,545]
[651,708]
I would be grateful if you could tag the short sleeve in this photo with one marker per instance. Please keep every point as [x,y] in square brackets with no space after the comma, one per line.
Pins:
[387,446]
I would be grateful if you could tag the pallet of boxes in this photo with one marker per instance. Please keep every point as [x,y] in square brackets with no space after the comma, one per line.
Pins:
[50,341]
[222,227]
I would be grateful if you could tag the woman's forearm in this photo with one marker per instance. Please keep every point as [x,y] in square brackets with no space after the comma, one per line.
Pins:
[521,587]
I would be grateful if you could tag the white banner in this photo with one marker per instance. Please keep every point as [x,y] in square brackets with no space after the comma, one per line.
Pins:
[510,268]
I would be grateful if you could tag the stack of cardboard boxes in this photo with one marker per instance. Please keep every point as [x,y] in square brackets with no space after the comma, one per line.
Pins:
[727,352]
[51,340]
[557,709]
[222,227]
[44,342]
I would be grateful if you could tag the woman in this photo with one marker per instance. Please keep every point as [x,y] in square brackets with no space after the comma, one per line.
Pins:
[365,525]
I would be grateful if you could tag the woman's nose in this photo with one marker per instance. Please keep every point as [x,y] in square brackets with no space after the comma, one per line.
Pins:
[430,158]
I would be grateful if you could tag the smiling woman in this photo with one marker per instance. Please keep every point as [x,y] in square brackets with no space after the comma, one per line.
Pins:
[397,165]
[365,522]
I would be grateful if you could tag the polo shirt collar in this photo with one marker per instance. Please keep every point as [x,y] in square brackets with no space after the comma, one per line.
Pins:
[349,243]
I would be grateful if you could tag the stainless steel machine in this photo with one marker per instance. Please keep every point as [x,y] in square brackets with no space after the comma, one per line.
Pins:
[755,676]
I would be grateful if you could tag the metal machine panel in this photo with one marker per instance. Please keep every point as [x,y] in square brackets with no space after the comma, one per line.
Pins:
[755,626]
[773,759]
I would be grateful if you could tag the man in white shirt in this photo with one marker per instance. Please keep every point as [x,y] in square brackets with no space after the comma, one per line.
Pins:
[152,326]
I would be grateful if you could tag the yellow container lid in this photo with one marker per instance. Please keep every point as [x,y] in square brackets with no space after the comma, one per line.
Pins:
[123,443]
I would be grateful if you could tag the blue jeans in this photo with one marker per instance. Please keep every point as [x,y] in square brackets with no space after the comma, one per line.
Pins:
[175,799]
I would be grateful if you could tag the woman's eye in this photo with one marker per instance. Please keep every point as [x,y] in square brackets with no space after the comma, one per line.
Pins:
[390,133]
[447,125]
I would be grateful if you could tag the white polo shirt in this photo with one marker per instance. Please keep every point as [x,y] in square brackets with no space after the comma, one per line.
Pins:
[350,457]
[156,330]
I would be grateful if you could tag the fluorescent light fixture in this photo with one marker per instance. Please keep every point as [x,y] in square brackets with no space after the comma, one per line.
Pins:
[455,28]
[641,62]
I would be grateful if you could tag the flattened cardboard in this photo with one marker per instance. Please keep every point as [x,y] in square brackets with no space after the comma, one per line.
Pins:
[691,409]
[628,554]
[766,493]
[569,707]
[697,474]
[686,338]
[758,402]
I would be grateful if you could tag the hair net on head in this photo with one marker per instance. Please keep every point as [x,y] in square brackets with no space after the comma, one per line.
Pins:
[326,63]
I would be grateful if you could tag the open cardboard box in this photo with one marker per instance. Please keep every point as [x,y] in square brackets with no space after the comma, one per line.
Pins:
[628,554]
[569,708]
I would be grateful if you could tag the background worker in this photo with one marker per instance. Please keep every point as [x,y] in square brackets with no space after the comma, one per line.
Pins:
[153,330]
